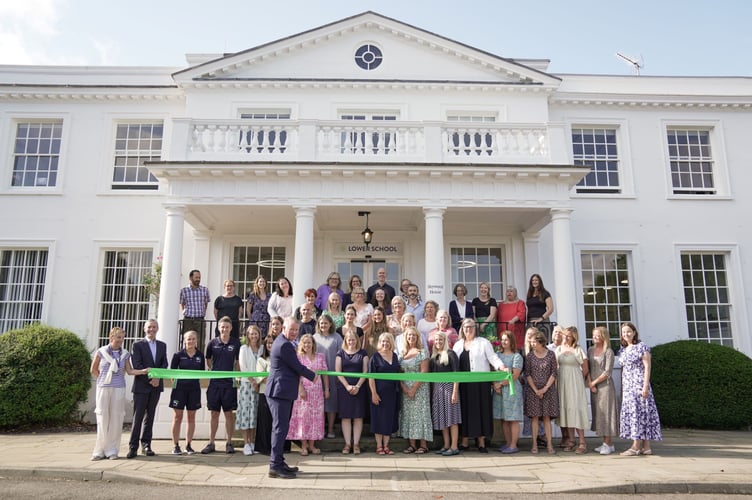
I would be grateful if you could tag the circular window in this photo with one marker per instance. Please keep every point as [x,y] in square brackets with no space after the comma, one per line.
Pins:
[368,57]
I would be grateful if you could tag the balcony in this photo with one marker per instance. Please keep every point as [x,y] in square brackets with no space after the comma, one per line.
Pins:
[368,142]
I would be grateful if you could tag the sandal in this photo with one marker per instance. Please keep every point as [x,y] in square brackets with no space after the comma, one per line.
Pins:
[346,449]
[421,451]
[581,450]
[646,452]
[534,450]
[316,451]
[551,450]
[356,450]
[409,450]
[380,451]
[387,451]
[304,452]
[630,452]
[569,447]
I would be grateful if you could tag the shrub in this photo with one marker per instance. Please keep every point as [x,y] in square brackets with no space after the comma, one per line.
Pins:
[702,385]
[44,376]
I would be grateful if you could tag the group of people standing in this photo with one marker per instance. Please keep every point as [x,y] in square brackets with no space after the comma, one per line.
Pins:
[378,331]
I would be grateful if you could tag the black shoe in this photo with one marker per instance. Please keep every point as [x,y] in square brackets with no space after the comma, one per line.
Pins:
[281,474]
[209,448]
[132,452]
[463,448]
[482,449]
[146,449]
[293,469]
[229,449]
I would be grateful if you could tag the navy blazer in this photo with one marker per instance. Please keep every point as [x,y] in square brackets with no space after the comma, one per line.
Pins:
[141,358]
[454,313]
[285,370]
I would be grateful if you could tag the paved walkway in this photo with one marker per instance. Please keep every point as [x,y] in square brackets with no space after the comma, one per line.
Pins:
[687,461]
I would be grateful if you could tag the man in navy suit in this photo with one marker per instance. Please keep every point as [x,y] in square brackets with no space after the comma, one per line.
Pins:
[147,353]
[285,371]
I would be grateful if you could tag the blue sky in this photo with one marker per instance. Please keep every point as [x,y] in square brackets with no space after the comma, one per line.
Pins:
[690,37]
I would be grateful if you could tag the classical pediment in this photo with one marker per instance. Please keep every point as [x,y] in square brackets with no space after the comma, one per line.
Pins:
[367,47]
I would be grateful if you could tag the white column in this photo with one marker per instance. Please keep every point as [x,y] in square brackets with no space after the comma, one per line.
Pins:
[303,270]
[565,294]
[435,271]
[169,290]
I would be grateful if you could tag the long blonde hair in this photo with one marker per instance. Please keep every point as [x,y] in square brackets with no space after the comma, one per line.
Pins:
[418,341]
[442,356]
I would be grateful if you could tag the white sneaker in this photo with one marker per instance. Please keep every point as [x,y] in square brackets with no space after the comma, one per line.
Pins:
[247,450]
[607,450]
[599,448]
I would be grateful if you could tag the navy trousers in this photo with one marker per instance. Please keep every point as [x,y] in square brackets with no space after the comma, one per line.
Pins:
[144,408]
[281,410]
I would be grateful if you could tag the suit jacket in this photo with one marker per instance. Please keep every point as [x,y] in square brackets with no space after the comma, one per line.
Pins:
[141,358]
[285,370]
[454,313]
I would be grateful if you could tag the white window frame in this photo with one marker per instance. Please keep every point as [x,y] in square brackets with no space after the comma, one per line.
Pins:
[718,152]
[135,186]
[132,331]
[623,147]
[498,288]
[9,129]
[739,315]
[586,335]
[49,246]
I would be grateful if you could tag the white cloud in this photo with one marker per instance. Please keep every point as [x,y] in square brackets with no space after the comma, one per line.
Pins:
[25,26]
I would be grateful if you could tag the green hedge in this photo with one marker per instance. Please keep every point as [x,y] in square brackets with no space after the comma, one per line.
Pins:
[44,376]
[702,385]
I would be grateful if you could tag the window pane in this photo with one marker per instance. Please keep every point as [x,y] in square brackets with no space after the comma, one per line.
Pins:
[707,305]
[607,296]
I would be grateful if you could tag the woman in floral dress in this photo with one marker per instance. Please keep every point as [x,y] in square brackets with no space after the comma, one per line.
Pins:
[257,304]
[307,421]
[415,413]
[541,397]
[639,414]
[508,407]
[245,420]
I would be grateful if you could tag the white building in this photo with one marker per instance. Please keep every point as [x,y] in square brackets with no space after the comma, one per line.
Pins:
[469,163]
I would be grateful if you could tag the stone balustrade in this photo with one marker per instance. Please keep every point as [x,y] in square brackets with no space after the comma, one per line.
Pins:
[351,141]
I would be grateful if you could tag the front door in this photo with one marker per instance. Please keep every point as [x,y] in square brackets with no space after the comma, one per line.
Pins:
[367,269]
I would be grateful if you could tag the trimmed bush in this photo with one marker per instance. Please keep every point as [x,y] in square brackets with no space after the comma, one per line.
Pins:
[44,376]
[702,385]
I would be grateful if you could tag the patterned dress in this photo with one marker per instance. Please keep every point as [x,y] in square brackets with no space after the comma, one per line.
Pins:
[259,312]
[603,406]
[307,421]
[247,397]
[639,416]
[540,369]
[572,396]
[415,414]
[443,413]
[328,345]
[506,406]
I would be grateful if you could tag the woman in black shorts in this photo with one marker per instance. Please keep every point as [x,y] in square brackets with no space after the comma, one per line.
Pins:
[186,394]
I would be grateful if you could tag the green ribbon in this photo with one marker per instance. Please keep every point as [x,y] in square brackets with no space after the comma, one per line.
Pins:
[449,377]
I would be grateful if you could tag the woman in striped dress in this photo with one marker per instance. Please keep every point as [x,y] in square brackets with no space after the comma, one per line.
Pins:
[445,402]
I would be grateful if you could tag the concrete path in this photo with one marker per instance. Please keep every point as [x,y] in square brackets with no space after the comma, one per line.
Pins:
[687,461]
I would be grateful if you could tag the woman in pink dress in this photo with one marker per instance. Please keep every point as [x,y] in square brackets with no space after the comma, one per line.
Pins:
[307,421]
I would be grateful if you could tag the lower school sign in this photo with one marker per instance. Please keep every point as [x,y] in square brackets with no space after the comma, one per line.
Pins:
[383,249]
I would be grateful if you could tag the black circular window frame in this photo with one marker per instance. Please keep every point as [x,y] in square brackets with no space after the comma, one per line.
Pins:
[368,57]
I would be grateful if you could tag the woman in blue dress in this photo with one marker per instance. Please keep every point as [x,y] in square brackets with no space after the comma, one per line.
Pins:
[385,394]
[639,414]
[508,407]
[352,397]
[257,304]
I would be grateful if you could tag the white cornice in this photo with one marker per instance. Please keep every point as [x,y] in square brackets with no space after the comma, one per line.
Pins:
[172,171]
[653,101]
[368,85]
[89,94]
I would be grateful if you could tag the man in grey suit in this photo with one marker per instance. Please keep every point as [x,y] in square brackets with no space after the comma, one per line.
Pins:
[285,371]
[147,353]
